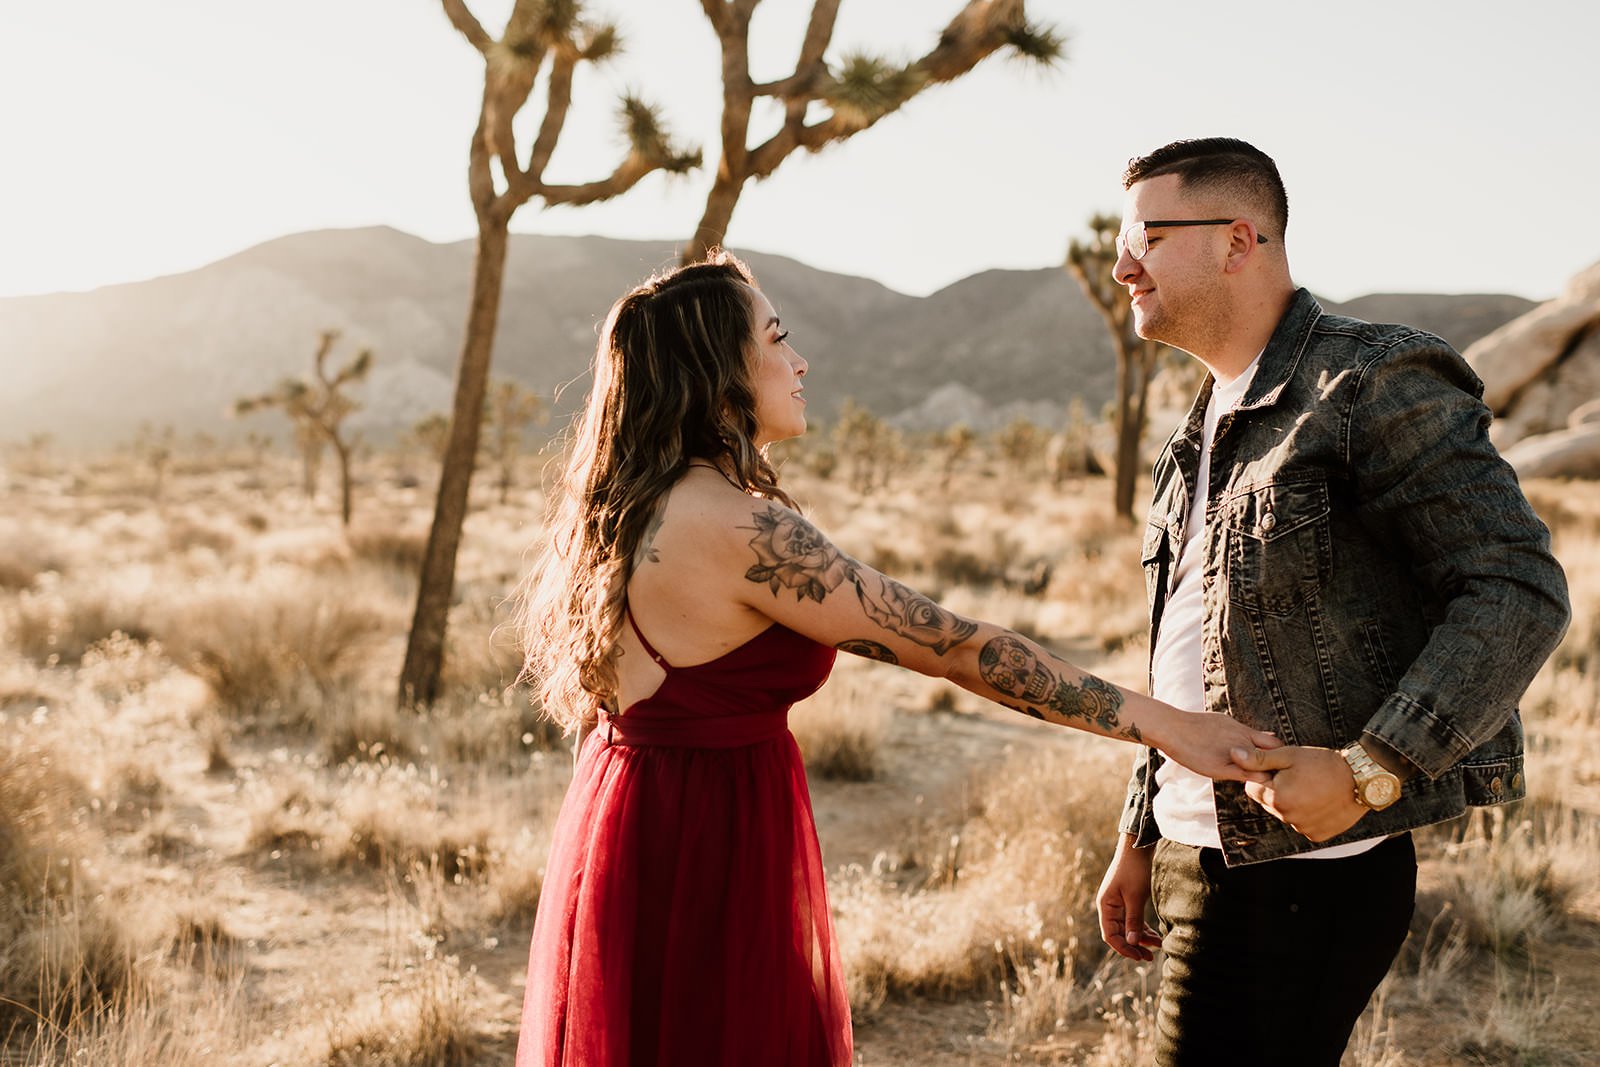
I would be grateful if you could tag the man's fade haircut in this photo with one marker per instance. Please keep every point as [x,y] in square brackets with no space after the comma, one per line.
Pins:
[1223,165]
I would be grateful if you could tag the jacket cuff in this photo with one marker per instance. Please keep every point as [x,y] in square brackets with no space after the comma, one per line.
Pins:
[1136,818]
[1419,734]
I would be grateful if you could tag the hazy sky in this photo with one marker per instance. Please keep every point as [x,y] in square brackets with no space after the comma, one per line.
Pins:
[1427,145]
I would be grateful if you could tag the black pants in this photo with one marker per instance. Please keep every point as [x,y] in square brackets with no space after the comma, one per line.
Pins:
[1272,963]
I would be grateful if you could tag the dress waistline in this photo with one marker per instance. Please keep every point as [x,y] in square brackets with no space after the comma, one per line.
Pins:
[696,731]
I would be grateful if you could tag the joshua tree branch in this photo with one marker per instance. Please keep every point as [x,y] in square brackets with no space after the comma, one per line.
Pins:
[625,177]
[464,20]
[558,101]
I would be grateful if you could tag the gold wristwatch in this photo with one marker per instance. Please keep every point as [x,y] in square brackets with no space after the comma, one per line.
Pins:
[1376,788]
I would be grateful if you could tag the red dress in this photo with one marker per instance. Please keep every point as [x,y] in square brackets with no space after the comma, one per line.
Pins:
[684,916]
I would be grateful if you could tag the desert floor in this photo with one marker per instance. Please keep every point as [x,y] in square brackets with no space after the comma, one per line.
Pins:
[221,844]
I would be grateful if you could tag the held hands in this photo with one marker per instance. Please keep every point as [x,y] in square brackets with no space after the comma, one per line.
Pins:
[1311,789]
[1218,746]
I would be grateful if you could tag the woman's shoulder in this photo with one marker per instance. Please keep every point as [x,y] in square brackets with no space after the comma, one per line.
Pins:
[701,514]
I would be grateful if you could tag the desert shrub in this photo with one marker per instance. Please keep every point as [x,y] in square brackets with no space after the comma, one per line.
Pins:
[516,874]
[1508,873]
[16,573]
[430,1020]
[24,556]
[481,653]
[64,952]
[186,533]
[274,648]
[56,622]
[1017,876]
[491,729]
[841,728]
[378,816]
[397,548]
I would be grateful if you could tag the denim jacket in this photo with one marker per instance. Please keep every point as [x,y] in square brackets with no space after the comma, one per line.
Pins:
[1370,565]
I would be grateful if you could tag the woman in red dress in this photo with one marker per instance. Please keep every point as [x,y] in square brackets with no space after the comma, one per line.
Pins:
[681,606]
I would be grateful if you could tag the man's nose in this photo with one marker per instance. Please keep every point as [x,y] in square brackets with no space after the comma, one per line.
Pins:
[1125,269]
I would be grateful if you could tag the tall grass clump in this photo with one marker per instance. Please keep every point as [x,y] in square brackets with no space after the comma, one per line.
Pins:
[55,622]
[274,647]
[1012,882]
[63,953]
[841,728]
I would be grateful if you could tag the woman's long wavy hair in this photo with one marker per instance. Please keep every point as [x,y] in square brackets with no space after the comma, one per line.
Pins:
[671,385]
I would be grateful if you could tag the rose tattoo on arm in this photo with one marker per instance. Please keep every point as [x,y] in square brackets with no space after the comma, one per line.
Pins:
[791,553]
[1014,670]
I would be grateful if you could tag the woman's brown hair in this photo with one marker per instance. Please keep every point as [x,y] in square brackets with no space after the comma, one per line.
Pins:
[671,385]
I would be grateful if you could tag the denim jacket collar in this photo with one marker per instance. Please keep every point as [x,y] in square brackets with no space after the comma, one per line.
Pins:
[1282,354]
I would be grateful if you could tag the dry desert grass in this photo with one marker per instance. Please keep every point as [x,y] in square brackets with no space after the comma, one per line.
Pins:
[220,842]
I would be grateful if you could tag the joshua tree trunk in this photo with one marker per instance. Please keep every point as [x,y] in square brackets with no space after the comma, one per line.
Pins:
[1091,264]
[419,679]
[342,451]
[536,34]
[713,228]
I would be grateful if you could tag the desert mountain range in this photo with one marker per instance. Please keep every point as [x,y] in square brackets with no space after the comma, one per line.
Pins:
[90,368]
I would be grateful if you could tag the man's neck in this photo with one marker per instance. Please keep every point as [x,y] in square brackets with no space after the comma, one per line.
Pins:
[1246,336]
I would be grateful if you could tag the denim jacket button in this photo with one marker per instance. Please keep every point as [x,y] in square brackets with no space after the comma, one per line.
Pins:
[1496,786]
[1516,780]
[1268,521]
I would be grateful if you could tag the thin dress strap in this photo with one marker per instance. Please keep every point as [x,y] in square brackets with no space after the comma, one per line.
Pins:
[663,664]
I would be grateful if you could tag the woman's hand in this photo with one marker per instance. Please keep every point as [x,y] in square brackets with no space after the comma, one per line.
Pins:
[1210,743]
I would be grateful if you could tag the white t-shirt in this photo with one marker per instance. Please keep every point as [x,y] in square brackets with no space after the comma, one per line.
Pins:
[1185,807]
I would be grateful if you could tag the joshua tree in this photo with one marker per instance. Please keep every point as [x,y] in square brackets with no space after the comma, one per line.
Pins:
[870,448]
[958,441]
[511,411]
[553,37]
[856,92]
[154,446]
[317,407]
[431,433]
[257,444]
[1020,443]
[1090,262]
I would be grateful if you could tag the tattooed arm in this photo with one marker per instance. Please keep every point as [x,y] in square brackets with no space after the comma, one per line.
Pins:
[799,578]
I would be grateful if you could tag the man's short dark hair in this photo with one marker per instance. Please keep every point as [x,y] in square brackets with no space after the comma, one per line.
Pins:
[1223,165]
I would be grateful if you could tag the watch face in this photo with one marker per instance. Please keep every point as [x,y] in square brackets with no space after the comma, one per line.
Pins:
[1380,792]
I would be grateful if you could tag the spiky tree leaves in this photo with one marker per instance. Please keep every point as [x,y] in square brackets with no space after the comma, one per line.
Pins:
[317,407]
[541,37]
[1090,262]
[854,92]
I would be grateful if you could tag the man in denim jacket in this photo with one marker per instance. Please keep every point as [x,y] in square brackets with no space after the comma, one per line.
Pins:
[1336,553]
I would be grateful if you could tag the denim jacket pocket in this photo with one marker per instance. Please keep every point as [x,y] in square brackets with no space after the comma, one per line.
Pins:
[1280,545]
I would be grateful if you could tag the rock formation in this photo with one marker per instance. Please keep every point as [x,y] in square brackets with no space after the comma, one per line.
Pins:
[1541,375]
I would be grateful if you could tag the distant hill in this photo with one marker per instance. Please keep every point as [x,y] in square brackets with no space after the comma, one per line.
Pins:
[89,368]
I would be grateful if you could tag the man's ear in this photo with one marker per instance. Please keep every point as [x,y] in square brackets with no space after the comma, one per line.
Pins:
[1242,244]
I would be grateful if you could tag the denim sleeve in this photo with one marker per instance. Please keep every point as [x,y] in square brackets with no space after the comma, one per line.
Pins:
[1427,476]
[1137,818]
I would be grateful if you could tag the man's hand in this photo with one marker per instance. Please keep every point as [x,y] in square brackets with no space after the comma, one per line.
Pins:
[1123,894]
[1311,789]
